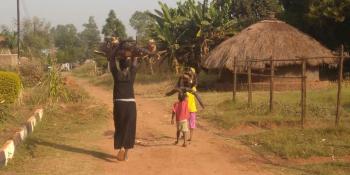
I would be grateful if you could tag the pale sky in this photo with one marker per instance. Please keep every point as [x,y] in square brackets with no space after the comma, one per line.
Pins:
[77,12]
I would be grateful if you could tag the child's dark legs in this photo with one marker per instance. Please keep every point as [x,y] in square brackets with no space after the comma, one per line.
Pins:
[184,144]
[191,134]
[177,137]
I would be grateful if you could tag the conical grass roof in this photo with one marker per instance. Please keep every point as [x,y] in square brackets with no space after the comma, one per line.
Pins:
[265,39]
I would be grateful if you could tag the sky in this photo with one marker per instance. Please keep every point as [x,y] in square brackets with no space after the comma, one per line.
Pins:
[77,12]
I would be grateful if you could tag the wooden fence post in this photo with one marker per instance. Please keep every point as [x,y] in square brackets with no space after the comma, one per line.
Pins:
[249,82]
[340,80]
[303,93]
[272,74]
[234,79]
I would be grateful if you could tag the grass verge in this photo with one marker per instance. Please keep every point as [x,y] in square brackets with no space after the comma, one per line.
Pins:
[320,108]
[298,143]
[60,139]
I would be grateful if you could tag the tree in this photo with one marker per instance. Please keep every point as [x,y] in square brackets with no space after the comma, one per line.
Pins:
[68,44]
[142,22]
[326,20]
[113,26]
[90,37]
[10,38]
[35,37]
[337,10]
[251,11]
[188,31]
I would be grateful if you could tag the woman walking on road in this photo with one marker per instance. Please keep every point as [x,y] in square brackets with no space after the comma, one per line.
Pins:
[124,106]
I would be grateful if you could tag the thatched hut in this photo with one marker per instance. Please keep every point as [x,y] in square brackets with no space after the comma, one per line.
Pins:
[265,39]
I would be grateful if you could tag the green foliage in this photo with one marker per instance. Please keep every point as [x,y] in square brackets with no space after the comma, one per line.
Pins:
[142,22]
[334,9]
[11,38]
[36,37]
[113,26]
[55,82]
[4,111]
[90,37]
[56,90]
[10,86]
[251,11]
[68,43]
[101,62]
[189,30]
[326,20]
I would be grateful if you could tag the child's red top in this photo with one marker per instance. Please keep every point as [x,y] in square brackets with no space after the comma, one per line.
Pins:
[181,110]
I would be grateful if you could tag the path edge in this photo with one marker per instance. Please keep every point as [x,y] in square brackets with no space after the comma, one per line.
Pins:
[7,151]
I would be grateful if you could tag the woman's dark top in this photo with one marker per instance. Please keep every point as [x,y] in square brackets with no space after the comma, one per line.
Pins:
[123,80]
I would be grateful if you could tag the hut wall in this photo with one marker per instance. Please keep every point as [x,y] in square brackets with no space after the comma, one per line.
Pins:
[312,73]
[225,79]
[8,61]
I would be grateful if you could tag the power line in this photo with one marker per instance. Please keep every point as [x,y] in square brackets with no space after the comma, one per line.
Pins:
[18,30]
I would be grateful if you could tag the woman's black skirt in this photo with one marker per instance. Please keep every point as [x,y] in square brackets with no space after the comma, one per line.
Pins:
[124,124]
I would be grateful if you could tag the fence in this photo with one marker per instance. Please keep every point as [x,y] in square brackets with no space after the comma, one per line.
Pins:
[303,77]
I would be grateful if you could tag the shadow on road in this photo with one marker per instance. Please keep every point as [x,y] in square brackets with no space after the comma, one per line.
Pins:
[67,148]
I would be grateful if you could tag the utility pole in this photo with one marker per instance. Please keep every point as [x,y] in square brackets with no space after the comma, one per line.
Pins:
[18,30]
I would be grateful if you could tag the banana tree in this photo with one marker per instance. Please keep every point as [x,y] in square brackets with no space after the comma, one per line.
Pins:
[208,27]
[167,32]
[188,31]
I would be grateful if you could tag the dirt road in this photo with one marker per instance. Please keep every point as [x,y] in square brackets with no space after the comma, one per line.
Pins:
[207,154]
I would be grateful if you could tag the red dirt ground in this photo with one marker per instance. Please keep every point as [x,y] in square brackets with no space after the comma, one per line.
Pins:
[207,154]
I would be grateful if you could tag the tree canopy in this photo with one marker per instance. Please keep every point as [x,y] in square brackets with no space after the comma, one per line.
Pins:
[35,37]
[113,26]
[67,41]
[142,22]
[326,20]
[90,38]
[186,32]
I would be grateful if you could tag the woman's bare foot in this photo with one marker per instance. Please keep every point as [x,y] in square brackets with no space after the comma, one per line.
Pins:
[184,145]
[121,155]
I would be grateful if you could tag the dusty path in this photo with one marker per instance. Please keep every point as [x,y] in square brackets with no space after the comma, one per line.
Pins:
[207,154]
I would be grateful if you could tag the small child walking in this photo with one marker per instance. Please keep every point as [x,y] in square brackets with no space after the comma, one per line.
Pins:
[192,107]
[181,112]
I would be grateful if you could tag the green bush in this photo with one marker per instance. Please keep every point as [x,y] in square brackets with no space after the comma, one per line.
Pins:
[10,86]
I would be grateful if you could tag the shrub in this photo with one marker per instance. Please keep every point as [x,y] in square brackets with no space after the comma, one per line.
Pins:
[4,111]
[10,86]
[31,72]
